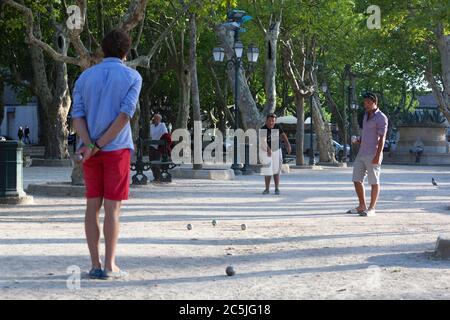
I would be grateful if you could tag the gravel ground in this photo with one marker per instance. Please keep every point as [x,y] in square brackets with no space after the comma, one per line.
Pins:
[299,245]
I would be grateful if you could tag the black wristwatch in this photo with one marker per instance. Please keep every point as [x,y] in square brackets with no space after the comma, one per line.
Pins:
[97,146]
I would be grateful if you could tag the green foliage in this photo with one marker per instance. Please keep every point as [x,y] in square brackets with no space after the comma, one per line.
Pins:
[422,118]
[389,61]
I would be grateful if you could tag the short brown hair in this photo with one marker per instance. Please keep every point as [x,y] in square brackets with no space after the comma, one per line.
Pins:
[372,96]
[116,44]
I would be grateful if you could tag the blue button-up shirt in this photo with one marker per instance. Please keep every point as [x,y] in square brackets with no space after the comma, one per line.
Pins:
[101,93]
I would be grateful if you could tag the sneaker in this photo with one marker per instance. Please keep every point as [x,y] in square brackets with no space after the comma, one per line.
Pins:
[110,275]
[354,211]
[277,192]
[266,192]
[96,273]
[367,213]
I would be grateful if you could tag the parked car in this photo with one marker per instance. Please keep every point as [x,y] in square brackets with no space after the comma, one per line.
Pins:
[340,150]
[6,138]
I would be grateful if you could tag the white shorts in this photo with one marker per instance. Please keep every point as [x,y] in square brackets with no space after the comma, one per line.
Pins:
[363,167]
[272,165]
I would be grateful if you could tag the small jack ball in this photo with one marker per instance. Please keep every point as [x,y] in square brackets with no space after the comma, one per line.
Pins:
[189,226]
[214,223]
[230,271]
[243,226]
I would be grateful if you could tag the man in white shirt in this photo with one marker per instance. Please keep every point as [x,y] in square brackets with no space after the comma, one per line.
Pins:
[157,130]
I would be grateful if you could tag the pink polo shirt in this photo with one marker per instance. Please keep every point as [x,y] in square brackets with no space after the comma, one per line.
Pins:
[373,129]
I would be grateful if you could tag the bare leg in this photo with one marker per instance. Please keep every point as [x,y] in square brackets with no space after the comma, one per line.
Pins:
[359,187]
[92,229]
[374,195]
[267,180]
[276,178]
[111,232]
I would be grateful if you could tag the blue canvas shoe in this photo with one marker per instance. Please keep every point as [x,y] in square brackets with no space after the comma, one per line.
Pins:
[96,273]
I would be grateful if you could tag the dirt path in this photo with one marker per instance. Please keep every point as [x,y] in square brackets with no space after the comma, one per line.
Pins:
[298,245]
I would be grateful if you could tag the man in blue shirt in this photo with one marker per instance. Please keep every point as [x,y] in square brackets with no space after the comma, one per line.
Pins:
[104,100]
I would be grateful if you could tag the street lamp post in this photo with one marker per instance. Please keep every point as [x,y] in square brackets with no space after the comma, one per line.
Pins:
[236,61]
[238,50]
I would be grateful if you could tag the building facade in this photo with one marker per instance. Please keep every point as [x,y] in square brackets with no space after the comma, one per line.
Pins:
[16,114]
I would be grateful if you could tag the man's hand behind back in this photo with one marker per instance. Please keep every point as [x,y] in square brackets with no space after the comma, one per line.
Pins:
[87,152]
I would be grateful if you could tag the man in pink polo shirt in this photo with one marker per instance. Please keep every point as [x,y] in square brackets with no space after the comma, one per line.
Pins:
[370,155]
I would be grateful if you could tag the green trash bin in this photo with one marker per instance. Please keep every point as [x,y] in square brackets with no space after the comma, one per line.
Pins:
[11,173]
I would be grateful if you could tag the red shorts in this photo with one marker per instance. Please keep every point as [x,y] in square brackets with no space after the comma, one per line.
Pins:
[107,175]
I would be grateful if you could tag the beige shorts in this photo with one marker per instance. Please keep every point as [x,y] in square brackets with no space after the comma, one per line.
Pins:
[271,165]
[363,167]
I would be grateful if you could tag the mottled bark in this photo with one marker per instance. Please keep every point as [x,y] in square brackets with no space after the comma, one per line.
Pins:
[304,84]
[442,94]
[221,98]
[323,133]
[183,73]
[340,122]
[444,50]
[296,80]
[322,128]
[36,41]
[134,14]
[184,79]
[250,115]
[53,95]
[135,122]
[271,67]
[84,59]
[300,133]
[196,108]
[193,63]
[271,36]
[55,139]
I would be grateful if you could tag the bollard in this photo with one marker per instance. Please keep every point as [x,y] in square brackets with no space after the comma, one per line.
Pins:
[11,174]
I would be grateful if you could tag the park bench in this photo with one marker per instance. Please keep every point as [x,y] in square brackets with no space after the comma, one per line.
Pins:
[140,165]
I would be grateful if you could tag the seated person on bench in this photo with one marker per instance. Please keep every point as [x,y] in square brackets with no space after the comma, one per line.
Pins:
[157,130]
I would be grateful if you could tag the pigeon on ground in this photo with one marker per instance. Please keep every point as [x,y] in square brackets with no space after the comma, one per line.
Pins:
[434,182]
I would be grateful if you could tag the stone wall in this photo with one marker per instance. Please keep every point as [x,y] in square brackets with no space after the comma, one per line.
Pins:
[433,140]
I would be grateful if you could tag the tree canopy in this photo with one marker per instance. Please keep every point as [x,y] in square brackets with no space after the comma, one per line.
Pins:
[404,57]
